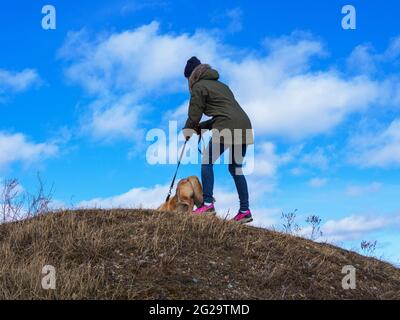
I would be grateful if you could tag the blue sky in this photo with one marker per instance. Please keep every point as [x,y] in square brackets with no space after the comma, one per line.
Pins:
[76,104]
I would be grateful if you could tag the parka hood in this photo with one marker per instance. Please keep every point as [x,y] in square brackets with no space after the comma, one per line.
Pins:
[202,72]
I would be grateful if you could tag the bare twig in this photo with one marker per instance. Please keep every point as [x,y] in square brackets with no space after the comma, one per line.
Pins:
[11,200]
[315,223]
[16,204]
[289,222]
[39,202]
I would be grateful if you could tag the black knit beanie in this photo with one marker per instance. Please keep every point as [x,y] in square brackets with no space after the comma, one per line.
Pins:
[192,63]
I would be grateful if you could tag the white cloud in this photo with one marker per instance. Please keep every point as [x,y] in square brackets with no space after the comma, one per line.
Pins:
[227,201]
[297,171]
[365,60]
[266,217]
[290,106]
[132,65]
[393,51]
[149,198]
[267,161]
[141,60]
[228,21]
[316,159]
[362,60]
[12,81]
[133,6]
[354,227]
[281,91]
[356,191]
[284,96]
[378,149]
[235,15]
[318,182]
[17,148]
[116,121]
[58,205]
[179,114]
[113,118]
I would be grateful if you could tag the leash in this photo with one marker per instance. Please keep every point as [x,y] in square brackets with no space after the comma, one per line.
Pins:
[179,164]
[176,172]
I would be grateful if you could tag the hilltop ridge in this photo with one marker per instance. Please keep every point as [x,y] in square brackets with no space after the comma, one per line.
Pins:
[143,254]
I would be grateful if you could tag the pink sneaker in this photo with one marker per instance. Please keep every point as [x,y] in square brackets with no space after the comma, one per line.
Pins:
[205,209]
[245,217]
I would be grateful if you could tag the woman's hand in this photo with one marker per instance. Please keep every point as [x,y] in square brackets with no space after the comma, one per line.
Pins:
[187,133]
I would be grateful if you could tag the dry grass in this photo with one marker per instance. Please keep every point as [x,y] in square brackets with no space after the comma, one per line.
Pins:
[137,254]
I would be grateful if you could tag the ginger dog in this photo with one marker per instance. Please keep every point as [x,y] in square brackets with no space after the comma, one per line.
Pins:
[189,193]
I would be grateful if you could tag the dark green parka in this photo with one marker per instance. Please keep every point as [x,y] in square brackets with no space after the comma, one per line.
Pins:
[214,99]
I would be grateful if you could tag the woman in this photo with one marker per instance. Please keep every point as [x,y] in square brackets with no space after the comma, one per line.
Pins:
[231,129]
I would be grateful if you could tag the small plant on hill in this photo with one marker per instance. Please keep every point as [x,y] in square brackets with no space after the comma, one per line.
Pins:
[368,247]
[11,200]
[39,202]
[289,222]
[16,204]
[315,223]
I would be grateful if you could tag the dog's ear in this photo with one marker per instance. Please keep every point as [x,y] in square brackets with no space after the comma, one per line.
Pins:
[197,191]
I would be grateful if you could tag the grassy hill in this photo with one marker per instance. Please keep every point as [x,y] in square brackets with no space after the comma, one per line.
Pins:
[139,254]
